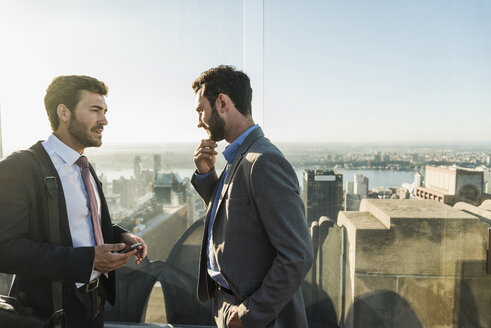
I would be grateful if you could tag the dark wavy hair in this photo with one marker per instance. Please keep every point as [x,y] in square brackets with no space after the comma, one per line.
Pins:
[227,80]
[65,90]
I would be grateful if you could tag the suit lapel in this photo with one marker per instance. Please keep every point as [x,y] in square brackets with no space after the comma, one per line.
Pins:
[257,133]
[213,196]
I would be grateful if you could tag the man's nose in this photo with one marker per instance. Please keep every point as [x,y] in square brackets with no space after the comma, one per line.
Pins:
[103,120]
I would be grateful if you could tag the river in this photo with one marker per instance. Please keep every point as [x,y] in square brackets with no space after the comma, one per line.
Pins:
[376,178]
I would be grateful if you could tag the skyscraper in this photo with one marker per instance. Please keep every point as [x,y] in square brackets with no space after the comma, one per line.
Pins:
[350,189]
[157,163]
[137,167]
[417,180]
[352,202]
[361,185]
[322,194]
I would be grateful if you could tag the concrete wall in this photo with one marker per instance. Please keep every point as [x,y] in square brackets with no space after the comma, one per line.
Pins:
[404,263]
[322,287]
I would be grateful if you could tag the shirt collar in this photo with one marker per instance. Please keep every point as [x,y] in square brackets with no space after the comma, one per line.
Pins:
[231,151]
[67,154]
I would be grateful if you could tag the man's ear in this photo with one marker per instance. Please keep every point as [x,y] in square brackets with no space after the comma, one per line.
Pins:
[63,113]
[223,102]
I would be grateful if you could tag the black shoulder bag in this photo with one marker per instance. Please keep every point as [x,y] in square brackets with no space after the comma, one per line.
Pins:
[11,310]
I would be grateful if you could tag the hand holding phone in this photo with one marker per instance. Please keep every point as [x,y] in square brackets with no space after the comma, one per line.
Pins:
[130,248]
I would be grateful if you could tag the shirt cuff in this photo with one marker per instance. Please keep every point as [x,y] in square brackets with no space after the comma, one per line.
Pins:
[198,176]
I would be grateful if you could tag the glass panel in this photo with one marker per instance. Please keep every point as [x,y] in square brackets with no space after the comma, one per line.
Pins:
[381,107]
[387,92]
[148,53]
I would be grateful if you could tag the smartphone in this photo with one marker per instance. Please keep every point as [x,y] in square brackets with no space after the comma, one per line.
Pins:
[129,249]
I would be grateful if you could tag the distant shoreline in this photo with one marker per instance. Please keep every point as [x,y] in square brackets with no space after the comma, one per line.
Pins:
[291,147]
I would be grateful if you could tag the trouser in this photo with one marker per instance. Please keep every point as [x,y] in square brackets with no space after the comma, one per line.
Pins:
[88,306]
[222,305]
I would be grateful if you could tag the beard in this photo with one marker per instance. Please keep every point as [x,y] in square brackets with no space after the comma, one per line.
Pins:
[215,126]
[81,132]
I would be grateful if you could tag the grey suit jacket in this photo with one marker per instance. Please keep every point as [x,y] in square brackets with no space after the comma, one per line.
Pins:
[260,235]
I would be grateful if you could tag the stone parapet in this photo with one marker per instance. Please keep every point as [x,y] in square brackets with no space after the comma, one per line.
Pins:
[480,212]
[412,263]
[486,205]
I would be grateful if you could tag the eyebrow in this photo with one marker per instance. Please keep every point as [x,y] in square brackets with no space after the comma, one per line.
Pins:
[99,108]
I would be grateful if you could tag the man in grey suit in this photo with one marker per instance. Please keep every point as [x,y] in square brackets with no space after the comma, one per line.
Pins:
[256,248]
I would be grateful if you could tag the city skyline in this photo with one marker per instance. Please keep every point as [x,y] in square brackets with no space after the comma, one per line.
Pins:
[332,72]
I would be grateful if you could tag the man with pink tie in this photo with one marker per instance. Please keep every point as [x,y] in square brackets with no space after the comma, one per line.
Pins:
[86,256]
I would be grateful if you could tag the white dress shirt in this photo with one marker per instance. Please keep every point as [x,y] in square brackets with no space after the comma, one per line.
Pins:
[77,200]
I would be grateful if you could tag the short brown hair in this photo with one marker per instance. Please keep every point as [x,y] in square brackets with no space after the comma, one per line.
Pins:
[65,90]
[227,80]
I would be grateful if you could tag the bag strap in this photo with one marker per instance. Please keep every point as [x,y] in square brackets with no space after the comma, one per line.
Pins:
[51,185]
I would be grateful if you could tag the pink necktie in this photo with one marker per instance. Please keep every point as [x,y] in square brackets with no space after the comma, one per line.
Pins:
[84,165]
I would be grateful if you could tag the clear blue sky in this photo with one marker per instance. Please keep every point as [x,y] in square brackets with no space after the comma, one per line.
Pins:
[334,71]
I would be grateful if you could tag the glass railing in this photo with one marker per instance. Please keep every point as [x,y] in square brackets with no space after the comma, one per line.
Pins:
[381,108]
